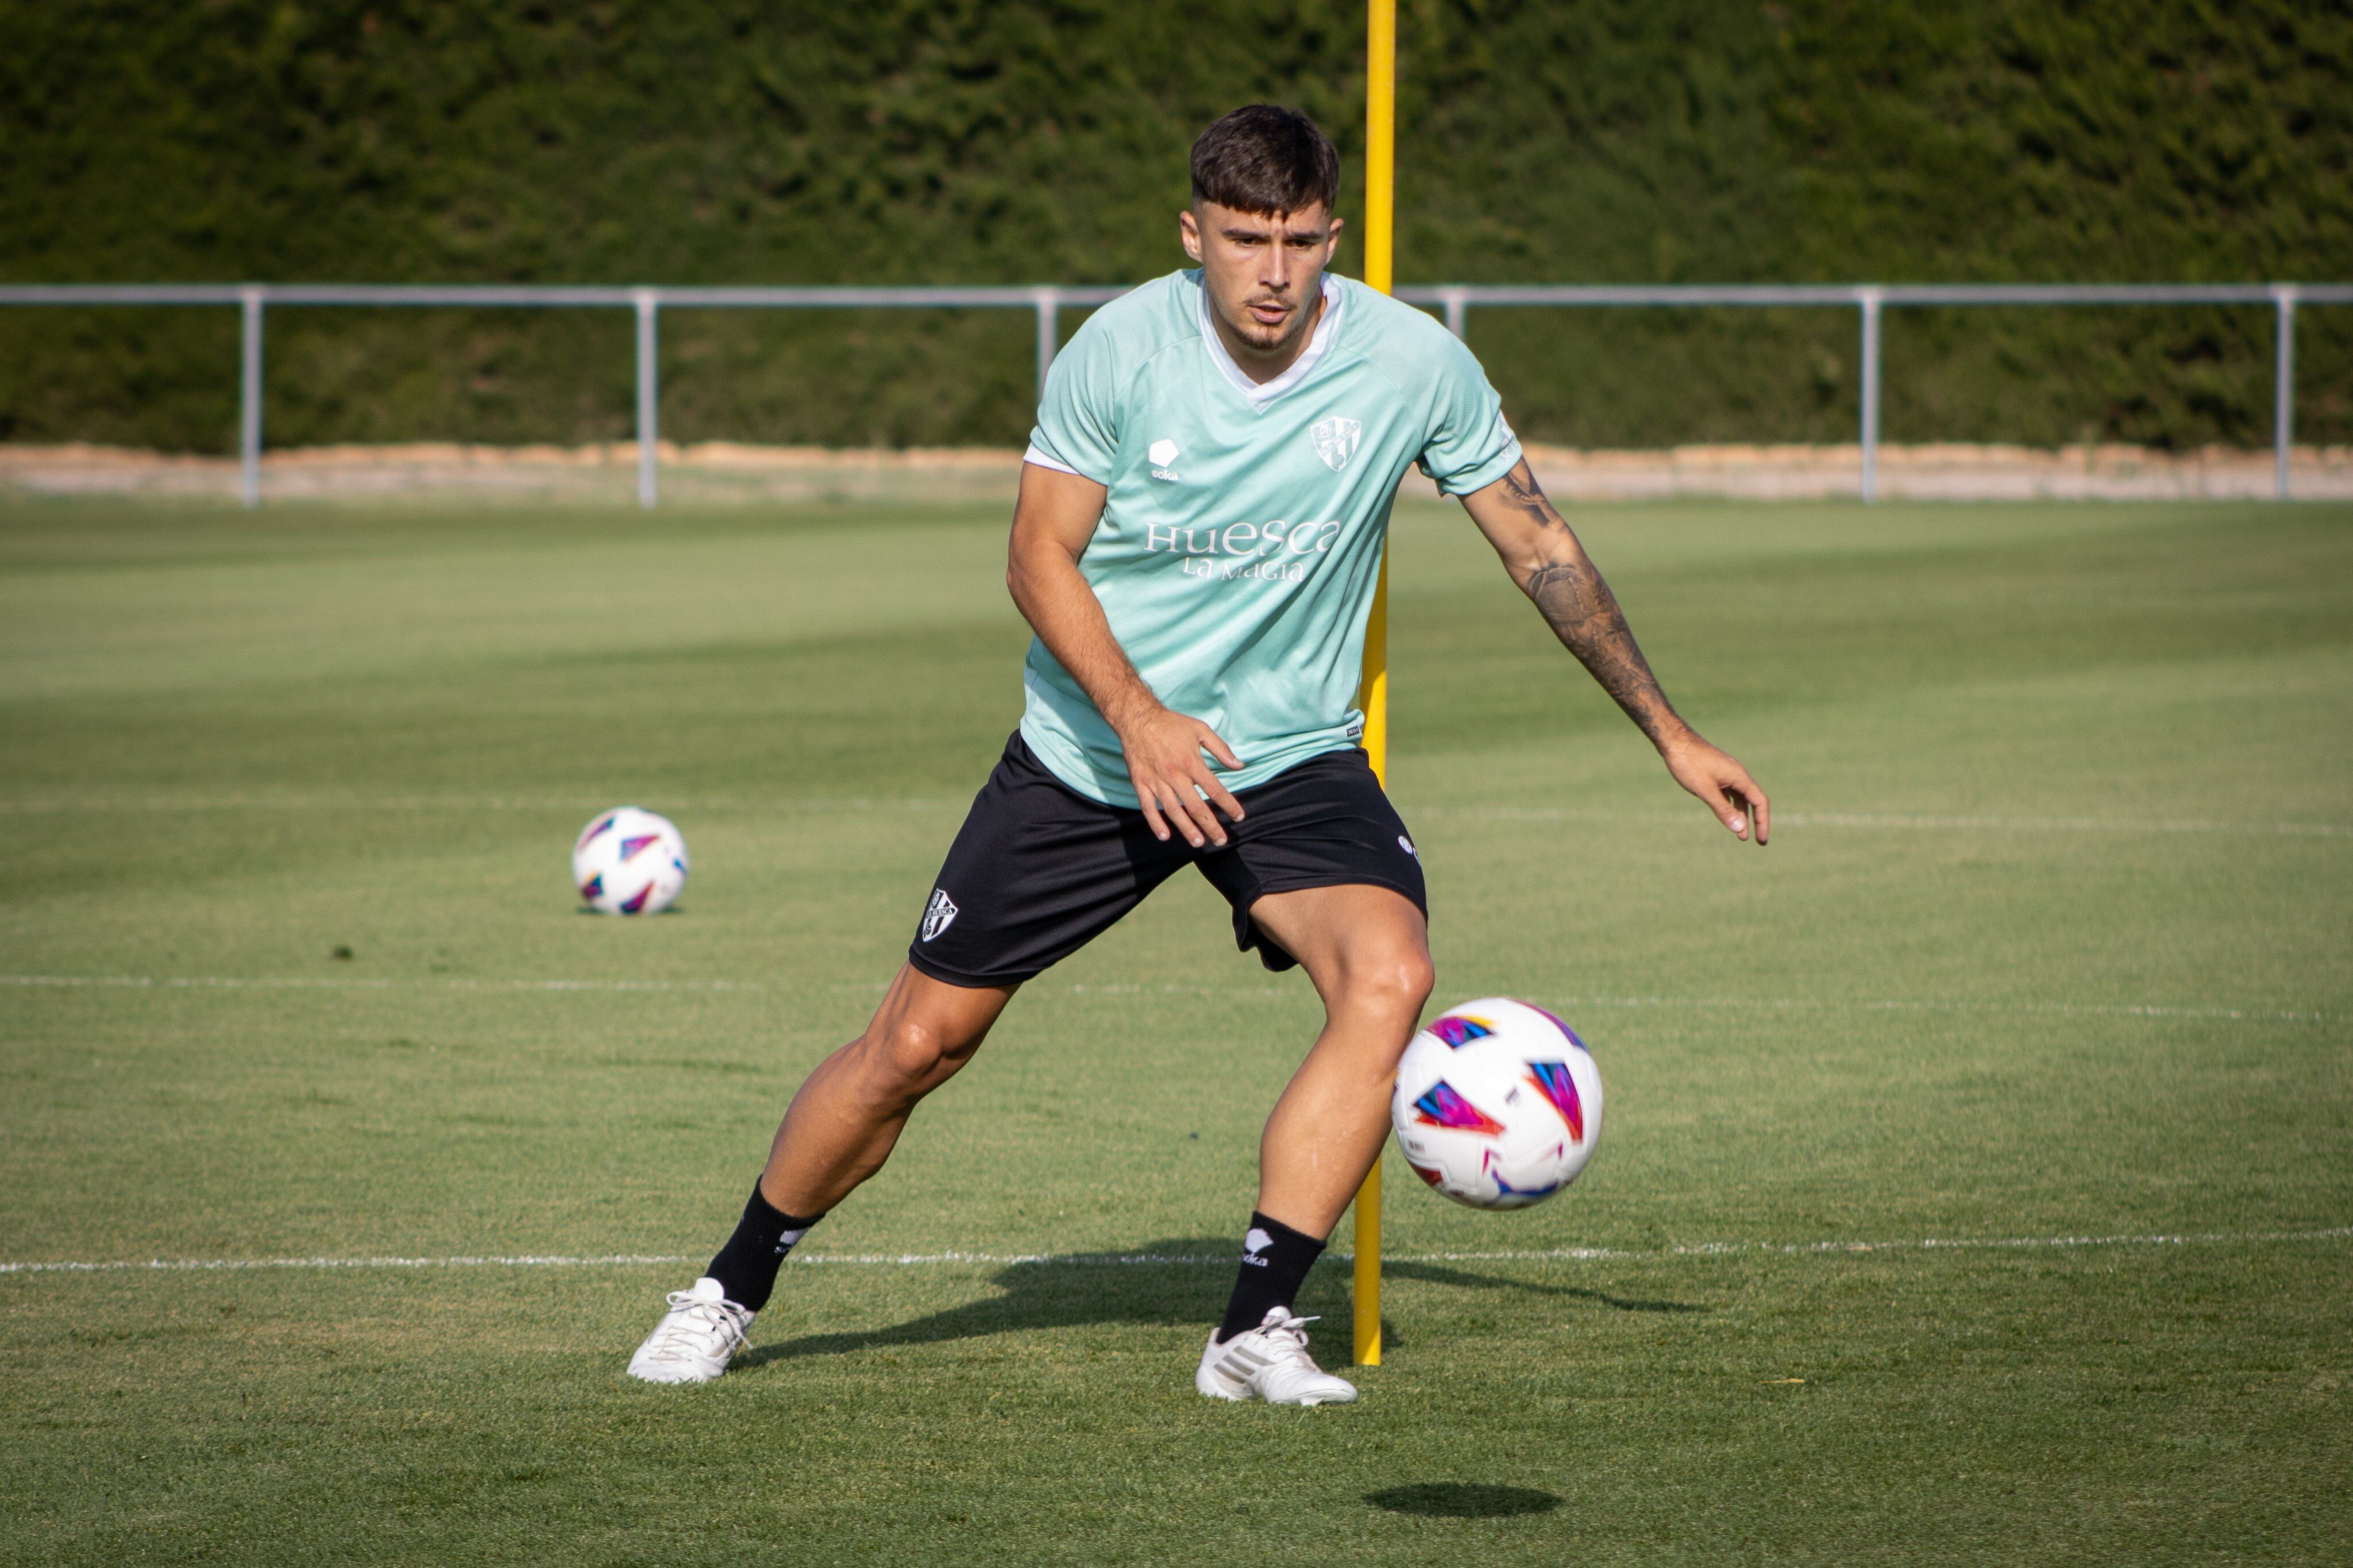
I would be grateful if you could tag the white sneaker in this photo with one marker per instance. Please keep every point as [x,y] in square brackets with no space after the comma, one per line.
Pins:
[695,1338]
[1270,1362]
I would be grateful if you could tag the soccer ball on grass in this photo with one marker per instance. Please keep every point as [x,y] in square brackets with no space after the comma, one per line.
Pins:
[629,861]
[1498,1104]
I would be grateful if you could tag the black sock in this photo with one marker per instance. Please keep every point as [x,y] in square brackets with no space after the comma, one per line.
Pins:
[1275,1261]
[746,1266]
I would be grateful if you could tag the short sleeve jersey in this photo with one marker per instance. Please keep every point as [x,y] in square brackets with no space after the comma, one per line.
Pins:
[1241,538]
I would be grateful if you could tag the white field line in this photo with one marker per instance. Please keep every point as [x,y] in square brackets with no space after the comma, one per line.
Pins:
[1764,1003]
[232,1265]
[590,805]
[1152,1259]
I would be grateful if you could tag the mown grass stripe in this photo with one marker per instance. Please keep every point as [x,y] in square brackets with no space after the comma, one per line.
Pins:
[1148,1259]
[584,804]
[587,806]
[1897,820]
[1763,1004]
[355,983]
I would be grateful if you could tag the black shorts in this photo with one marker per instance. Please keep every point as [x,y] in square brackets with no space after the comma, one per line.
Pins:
[1039,870]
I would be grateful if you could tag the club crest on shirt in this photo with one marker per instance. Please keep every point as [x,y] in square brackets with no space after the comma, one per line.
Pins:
[1335,441]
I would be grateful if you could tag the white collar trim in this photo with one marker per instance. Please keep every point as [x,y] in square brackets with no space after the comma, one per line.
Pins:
[1261,393]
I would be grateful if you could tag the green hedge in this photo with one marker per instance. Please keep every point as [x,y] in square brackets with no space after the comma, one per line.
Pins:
[727,140]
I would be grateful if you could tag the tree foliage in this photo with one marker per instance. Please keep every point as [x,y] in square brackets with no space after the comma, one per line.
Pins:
[1043,141]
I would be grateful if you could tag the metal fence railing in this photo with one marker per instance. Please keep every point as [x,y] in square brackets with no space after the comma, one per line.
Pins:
[1047,301]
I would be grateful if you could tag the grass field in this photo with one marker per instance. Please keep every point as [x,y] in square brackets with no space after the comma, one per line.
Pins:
[2049,959]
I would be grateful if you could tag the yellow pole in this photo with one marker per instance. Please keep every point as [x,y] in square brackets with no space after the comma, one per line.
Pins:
[1380,222]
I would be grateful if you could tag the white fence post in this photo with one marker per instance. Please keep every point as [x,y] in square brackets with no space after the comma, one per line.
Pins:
[1868,296]
[647,301]
[248,395]
[1049,328]
[1458,311]
[2283,390]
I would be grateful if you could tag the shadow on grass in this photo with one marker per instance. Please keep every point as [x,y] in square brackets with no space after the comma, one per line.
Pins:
[1462,1500]
[1161,1283]
[1435,1274]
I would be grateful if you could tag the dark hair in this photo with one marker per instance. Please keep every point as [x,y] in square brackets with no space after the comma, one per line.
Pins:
[1263,158]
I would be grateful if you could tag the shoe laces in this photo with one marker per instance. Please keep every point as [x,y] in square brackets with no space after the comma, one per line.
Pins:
[690,1320]
[1289,1335]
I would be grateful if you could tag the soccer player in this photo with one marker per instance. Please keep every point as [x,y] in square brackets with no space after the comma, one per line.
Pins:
[1196,542]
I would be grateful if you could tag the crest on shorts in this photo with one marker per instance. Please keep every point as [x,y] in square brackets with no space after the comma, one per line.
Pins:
[940,915]
[1335,441]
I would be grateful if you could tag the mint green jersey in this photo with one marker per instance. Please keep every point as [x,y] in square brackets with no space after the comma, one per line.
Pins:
[1241,538]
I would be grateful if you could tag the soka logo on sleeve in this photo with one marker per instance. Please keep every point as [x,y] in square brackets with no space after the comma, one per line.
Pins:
[941,912]
[1335,441]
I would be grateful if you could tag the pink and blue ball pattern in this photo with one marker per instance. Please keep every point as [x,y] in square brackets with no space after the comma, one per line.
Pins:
[1552,1080]
[1440,1106]
[1459,1031]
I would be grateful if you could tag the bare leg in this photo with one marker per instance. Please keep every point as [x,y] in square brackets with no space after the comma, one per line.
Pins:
[849,1113]
[1367,951]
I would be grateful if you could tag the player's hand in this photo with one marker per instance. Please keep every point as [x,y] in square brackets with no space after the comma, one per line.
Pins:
[1164,761]
[1721,782]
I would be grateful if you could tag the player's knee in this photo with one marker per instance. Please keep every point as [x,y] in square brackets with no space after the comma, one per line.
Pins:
[907,1056]
[1395,982]
[1416,977]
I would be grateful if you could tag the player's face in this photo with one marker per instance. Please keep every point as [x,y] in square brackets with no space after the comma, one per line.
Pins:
[1264,271]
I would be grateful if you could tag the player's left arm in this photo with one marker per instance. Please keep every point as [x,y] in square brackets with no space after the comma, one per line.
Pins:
[1544,556]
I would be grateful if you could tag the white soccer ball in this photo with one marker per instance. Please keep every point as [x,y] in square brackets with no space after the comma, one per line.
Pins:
[629,861]
[1498,1104]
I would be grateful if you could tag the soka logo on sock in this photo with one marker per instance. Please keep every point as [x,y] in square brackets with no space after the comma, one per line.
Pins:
[1255,1243]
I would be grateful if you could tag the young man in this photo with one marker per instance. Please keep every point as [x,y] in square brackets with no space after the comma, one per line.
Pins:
[1200,527]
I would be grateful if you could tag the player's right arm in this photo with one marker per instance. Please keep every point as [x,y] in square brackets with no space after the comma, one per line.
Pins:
[1052,522]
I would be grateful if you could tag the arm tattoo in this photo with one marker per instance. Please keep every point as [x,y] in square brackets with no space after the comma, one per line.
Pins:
[1582,612]
[1559,593]
[1526,495]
